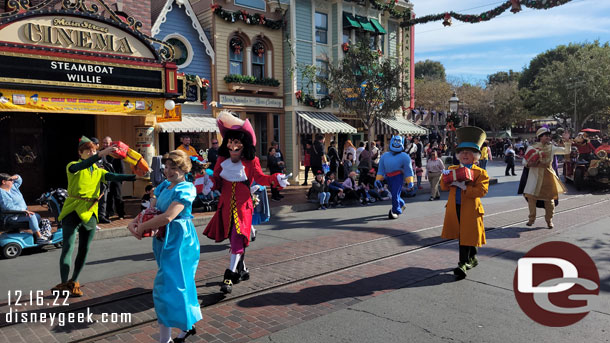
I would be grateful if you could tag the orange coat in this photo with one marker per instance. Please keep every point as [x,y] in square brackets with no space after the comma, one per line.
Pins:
[470,229]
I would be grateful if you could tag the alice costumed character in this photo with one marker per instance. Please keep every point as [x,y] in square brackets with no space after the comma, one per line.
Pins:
[236,169]
[464,211]
[395,168]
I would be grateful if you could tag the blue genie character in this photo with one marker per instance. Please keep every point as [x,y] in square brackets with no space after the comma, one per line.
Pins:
[395,168]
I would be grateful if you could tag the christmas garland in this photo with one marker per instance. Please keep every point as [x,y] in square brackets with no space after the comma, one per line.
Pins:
[238,78]
[250,19]
[308,100]
[514,5]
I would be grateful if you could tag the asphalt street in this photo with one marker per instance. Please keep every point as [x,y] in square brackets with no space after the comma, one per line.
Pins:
[481,308]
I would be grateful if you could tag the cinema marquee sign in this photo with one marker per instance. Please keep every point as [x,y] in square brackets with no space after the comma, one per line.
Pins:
[57,60]
[74,33]
[65,33]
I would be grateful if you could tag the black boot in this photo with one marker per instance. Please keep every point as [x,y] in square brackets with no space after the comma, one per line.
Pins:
[242,271]
[188,333]
[227,282]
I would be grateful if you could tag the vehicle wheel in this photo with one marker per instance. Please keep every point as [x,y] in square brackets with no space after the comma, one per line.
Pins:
[59,245]
[579,178]
[11,250]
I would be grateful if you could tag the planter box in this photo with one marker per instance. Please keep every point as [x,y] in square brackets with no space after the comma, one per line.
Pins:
[233,87]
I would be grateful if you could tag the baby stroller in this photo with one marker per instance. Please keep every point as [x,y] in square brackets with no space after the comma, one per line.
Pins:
[13,241]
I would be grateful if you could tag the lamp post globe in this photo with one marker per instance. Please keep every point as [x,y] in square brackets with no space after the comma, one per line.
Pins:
[453,103]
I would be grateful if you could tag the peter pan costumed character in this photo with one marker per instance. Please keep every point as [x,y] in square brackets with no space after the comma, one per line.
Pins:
[542,181]
[464,211]
[79,213]
[236,169]
[395,167]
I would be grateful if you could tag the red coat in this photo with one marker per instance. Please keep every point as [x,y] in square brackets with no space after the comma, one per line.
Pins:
[219,227]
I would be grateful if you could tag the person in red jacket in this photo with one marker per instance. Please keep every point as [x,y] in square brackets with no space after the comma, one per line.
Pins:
[236,169]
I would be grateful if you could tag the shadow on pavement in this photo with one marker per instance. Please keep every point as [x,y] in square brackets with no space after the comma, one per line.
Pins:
[403,278]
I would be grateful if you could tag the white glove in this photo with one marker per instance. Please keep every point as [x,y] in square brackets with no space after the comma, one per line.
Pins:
[459,184]
[254,189]
[283,180]
[446,171]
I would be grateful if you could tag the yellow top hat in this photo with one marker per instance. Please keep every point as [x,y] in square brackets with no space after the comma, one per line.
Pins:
[470,137]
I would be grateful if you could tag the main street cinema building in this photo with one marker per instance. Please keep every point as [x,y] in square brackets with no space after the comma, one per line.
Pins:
[75,68]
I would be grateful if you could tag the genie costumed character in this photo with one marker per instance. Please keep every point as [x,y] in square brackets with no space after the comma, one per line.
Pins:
[395,168]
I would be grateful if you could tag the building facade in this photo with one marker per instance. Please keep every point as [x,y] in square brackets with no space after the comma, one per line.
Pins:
[247,38]
[174,22]
[316,32]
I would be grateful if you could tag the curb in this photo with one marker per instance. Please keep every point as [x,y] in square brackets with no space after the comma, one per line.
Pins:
[199,222]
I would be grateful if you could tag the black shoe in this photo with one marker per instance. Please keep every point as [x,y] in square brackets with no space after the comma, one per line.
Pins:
[304,184]
[188,333]
[104,220]
[506,174]
[227,282]
[276,199]
[438,198]
[514,174]
[460,271]
[280,196]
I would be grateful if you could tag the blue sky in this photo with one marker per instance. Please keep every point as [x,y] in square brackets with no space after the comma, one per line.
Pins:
[470,52]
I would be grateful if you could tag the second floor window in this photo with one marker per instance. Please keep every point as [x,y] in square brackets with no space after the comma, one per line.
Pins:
[321,28]
[236,57]
[258,60]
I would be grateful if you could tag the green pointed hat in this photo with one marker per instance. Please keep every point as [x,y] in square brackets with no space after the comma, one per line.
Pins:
[83,140]
[470,137]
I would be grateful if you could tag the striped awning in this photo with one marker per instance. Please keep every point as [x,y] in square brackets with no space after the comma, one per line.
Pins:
[190,123]
[398,125]
[321,122]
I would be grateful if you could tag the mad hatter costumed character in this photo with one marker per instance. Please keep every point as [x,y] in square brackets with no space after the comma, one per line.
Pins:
[79,213]
[542,182]
[464,211]
[395,167]
[235,170]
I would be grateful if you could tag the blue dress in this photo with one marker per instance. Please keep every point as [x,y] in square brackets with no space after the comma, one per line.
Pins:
[177,256]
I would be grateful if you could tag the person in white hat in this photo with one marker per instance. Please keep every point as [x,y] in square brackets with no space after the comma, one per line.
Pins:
[542,182]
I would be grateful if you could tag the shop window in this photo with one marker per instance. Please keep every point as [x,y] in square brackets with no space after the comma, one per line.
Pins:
[321,28]
[258,60]
[347,35]
[276,128]
[322,72]
[236,57]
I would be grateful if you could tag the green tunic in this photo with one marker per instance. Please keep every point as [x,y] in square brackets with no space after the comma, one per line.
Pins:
[83,184]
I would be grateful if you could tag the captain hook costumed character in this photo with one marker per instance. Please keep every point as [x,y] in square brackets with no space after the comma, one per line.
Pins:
[395,167]
[236,169]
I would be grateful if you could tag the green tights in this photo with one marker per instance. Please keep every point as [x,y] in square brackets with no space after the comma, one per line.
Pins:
[70,224]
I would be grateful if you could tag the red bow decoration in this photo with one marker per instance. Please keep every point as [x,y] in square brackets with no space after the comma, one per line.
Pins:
[447,19]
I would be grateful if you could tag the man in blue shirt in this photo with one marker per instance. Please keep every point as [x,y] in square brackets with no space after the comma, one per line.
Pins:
[11,199]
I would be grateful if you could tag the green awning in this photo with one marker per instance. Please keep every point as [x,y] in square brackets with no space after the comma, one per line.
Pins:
[365,23]
[378,26]
[350,22]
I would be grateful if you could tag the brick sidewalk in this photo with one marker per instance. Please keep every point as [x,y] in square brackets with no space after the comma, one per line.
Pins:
[273,271]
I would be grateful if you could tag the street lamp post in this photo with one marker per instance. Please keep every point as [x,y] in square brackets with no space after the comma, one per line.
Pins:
[454,102]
